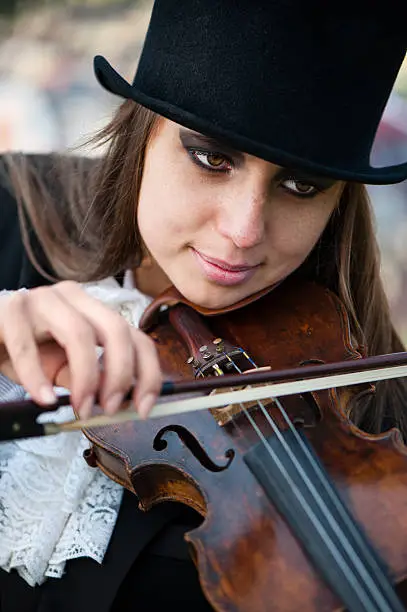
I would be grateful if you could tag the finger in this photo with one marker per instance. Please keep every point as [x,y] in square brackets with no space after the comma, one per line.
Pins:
[53,360]
[75,335]
[24,360]
[148,373]
[114,334]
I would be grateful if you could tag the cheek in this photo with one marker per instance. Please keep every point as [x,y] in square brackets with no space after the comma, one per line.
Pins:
[297,229]
[170,211]
[154,215]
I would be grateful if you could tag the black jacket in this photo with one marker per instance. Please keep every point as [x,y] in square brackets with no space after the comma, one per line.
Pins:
[156,534]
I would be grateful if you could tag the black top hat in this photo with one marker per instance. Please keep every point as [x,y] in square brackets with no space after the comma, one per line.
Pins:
[300,83]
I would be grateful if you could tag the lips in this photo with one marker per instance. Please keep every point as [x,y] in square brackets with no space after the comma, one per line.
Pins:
[224,273]
[224,265]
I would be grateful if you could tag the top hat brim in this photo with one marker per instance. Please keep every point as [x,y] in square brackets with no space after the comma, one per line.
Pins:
[113,82]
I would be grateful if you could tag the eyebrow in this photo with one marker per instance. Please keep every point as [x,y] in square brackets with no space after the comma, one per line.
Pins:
[190,138]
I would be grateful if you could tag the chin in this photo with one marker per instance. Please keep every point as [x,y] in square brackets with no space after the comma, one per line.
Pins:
[215,298]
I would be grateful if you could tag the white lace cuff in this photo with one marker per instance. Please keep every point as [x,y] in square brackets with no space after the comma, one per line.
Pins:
[53,506]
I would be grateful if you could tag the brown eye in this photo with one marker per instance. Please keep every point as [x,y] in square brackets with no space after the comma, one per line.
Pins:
[215,160]
[211,161]
[303,187]
[299,188]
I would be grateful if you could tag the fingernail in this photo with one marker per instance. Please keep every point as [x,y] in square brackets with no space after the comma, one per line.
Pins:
[47,395]
[113,403]
[86,407]
[145,405]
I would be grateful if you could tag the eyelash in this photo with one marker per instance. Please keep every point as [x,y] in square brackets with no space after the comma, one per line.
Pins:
[294,179]
[194,153]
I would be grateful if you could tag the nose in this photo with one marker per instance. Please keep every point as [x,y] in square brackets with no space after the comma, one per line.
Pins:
[242,219]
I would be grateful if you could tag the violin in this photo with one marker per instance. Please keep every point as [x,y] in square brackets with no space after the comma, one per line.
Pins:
[301,510]
[282,485]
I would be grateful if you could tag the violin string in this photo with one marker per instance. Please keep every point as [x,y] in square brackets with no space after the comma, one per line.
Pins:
[219,372]
[315,465]
[356,560]
[321,530]
[363,574]
[318,472]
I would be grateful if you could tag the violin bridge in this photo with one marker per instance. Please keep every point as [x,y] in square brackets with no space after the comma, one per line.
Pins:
[227,413]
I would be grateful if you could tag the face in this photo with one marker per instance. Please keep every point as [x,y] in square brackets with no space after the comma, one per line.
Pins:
[220,224]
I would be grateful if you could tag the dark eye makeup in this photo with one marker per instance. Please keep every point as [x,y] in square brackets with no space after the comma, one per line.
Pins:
[219,158]
[211,160]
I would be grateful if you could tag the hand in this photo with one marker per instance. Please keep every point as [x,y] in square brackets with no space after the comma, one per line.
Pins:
[49,336]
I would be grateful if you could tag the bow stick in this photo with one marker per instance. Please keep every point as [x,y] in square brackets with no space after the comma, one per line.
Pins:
[20,419]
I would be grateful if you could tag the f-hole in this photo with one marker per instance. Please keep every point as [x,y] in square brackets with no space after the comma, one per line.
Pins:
[193,445]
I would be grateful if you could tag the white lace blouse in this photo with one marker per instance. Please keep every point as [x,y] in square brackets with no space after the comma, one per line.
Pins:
[53,506]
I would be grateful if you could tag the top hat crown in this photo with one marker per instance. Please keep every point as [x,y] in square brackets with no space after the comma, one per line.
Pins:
[302,84]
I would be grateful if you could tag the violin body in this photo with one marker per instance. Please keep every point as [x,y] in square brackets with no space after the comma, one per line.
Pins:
[246,554]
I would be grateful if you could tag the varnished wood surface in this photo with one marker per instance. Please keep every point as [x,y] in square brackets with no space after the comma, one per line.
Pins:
[247,559]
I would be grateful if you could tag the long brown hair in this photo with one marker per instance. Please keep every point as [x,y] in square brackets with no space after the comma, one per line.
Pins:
[84,214]
[83,210]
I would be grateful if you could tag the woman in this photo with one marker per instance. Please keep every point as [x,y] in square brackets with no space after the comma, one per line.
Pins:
[237,160]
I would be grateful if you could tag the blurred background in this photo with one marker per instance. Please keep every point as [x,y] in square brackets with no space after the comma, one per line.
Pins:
[49,100]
